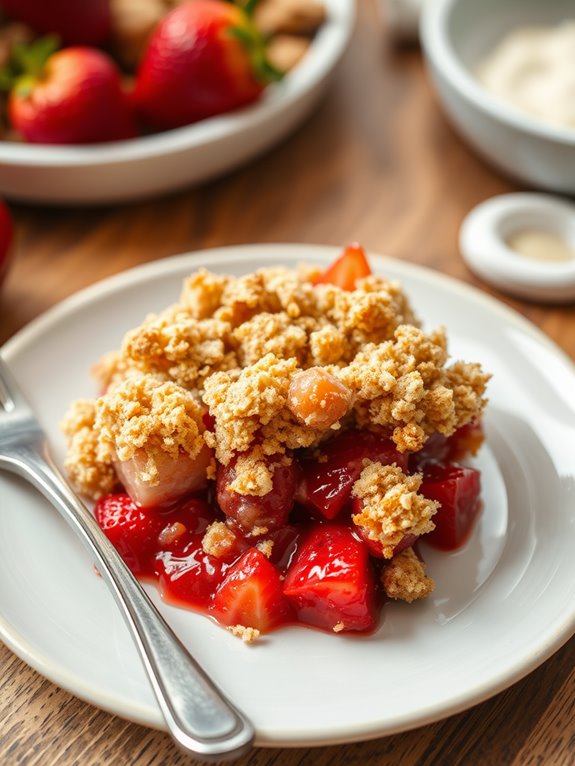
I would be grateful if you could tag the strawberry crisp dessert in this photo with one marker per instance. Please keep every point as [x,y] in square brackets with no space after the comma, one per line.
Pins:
[272,448]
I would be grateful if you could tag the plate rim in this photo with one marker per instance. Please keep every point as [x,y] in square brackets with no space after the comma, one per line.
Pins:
[274,252]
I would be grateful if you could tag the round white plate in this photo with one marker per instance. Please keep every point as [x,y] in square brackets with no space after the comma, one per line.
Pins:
[141,167]
[502,605]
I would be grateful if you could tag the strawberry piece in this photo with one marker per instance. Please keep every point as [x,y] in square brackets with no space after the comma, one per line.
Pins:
[132,530]
[76,23]
[251,595]
[330,583]
[187,575]
[326,486]
[204,58]
[344,272]
[250,511]
[177,477]
[442,449]
[457,488]
[73,96]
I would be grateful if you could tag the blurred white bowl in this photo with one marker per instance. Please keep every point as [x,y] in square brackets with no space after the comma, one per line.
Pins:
[142,167]
[456,35]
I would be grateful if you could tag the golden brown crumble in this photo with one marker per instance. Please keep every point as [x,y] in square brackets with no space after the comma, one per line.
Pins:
[233,345]
[265,547]
[90,474]
[143,413]
[218,539]
[248,635]
[391,506]
[404,578]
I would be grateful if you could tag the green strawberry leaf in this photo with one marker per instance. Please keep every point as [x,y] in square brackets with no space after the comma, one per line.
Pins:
[27,63]
[254,43]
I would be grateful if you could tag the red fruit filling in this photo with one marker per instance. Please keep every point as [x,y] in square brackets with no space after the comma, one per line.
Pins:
[315,572]
[325,486]
[270,511]
[457,488]
[331,584]
[251,594]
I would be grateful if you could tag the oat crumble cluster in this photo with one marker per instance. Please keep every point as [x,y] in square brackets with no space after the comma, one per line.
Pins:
[212,375]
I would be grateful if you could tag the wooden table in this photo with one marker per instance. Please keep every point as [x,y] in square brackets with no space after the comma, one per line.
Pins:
[377,163]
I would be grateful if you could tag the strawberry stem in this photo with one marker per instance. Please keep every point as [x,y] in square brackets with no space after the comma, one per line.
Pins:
[254,43]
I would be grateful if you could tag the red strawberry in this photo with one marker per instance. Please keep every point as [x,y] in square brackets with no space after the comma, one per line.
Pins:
[326,486]
[188,575]
[6,236]
[344,272]
[457,488]
[73,96]
[76,22]
[132,530]
[330,582]
[204,58]
[251,595]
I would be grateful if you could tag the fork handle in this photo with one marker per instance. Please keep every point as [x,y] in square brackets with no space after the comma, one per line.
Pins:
[197,714]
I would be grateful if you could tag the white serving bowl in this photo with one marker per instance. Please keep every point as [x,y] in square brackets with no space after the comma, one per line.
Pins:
[456,35]
[152,165]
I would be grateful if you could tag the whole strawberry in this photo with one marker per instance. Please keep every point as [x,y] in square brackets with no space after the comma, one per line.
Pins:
[204,58]
[76,22]
[72,96]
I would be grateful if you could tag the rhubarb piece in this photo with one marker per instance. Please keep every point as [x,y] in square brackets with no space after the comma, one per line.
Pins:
[456,488]
[326,483]
[330,583]
[251,595]
[175,477]
[259,492]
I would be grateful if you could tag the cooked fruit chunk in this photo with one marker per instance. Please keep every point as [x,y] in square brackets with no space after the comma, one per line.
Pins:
[457,488]
[175,478]
[251,595]
[344,272]
[188,575]
[326,486]
[132,530]
[266,511]
[330,583]
[317,398]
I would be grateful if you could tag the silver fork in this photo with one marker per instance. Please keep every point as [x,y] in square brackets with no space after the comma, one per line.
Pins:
[197,714]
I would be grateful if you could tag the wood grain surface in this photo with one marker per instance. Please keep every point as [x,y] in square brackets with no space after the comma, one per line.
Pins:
[377,162]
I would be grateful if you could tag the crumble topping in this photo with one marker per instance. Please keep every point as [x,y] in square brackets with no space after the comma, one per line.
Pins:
[265,547]
[391,506]
[233,346]
[404,577]
[218,540]
[248,635]
[145,413]
[91,475]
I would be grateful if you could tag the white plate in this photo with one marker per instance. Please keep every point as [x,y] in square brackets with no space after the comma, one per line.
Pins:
[503,604]
[141,167]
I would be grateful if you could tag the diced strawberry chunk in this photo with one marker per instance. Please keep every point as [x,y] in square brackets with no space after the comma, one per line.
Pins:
[132,530]
[326,486]
[464,442]
[344,272]
[187,574]
[457,488]
[251,595]
[251,511]
[331,583]
[177,477]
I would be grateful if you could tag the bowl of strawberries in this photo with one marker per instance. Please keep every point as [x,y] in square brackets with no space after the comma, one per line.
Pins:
[129,99]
